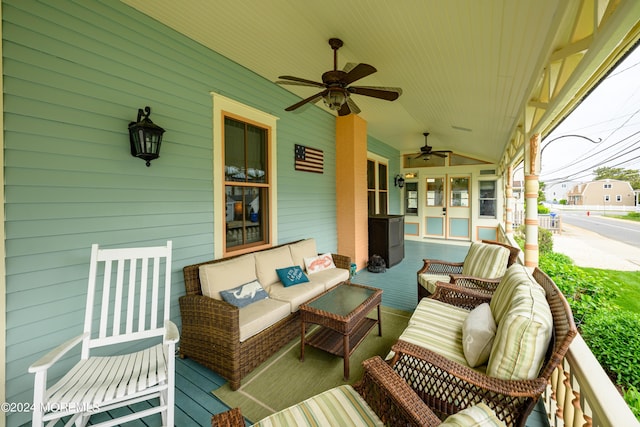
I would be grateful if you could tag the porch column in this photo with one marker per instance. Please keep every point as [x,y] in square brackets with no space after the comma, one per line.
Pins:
[351,188]
[508,223]
[531,187]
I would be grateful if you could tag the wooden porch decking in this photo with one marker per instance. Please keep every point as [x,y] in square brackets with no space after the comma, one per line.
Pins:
[195,402]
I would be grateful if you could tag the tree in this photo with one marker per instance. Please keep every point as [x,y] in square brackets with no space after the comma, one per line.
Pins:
[632,176]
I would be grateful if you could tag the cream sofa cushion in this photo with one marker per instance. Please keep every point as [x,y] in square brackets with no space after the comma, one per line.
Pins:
[330,277]
[268,261]
[228,274]
[301,250]
[485,260]
[296,294]
[259,315]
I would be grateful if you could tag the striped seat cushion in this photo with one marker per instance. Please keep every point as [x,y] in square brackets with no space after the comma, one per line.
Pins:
[428,280]
[525,325]
[479,415]
[339,406]
[437,326]
[485,260]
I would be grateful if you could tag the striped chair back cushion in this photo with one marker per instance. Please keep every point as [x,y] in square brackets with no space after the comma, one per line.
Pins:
[485,260]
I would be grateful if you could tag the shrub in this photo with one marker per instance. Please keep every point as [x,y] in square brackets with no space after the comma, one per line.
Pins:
[586,292]
[545,239]
[542,209]
[612,336]
[632,397]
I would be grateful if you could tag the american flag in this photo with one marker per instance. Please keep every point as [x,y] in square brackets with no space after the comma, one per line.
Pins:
[309,159]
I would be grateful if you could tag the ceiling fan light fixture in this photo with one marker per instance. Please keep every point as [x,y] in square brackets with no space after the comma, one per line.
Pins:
[335,99]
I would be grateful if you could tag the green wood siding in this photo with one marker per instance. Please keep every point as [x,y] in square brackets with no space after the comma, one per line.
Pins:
[75,74]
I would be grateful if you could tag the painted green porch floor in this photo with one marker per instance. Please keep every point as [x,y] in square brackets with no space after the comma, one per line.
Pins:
[194,401]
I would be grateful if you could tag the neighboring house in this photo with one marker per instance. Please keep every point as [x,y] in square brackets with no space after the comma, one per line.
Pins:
[604,192]
[560,191]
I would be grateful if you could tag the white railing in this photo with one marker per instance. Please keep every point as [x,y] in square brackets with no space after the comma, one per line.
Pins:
[581,394]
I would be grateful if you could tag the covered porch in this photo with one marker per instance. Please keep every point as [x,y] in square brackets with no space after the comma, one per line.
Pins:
[487,80]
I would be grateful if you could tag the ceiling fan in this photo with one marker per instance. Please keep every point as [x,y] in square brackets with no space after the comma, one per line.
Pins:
[336,92]
[427,151]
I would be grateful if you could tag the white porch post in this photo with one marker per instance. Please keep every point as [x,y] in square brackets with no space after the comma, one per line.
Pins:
[510,202]
[531,187]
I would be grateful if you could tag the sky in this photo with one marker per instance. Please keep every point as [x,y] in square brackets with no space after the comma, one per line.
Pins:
[610,113]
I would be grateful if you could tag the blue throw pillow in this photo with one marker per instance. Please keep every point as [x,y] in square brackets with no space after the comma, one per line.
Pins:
[245,294]
[291,275]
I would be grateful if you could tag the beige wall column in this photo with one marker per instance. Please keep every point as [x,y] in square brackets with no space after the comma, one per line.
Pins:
[531,186]
[351,188]
[510,202]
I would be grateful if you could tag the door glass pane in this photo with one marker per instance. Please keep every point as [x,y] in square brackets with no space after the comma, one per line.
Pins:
[382,176]
[371,175]
[435,191]
[460,192]
[383,203]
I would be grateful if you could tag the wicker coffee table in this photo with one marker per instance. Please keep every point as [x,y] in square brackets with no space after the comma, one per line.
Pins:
[341,313]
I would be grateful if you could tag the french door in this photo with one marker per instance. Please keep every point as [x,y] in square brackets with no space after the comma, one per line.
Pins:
[447,210]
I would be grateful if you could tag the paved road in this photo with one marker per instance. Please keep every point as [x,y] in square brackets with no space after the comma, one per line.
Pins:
[589,248]
[620,230]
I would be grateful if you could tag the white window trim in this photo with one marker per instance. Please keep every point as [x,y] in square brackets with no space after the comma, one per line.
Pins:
[223,104]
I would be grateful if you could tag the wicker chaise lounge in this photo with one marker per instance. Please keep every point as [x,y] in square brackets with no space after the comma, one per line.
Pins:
[448,387]
[211,330]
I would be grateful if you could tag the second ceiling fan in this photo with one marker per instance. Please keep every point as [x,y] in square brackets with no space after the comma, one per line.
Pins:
[426,151]
[336,91]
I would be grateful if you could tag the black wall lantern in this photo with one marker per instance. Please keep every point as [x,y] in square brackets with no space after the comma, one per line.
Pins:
[398,181]
[145,137]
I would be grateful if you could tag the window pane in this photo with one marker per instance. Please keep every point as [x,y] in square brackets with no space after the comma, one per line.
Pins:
[435,191]
[246,216]
[256,154]
[234,150]
[488,198]
[411,198]
[382,176]
[371,200]
[460,192]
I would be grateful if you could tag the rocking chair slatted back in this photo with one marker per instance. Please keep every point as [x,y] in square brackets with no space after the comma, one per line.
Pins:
[135,289]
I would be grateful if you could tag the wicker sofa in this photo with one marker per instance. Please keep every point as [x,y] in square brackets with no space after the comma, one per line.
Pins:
[438,353]
[232,341]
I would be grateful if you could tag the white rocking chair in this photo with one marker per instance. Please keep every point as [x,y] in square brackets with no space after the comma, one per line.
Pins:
[131,309]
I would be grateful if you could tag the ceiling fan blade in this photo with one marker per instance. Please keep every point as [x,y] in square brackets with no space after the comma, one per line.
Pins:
[389,94]
[299,80]
[286,82]
[313,98]
[358,72]
[419,156]
[345,110]
[349,66]
[353,107]
[438,153]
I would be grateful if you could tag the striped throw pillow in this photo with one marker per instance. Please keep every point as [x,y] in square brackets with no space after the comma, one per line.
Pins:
[479,415]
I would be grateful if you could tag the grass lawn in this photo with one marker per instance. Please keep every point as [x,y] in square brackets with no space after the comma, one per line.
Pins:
[627,284]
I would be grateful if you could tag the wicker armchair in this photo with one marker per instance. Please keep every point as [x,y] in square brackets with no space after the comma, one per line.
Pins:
[454,272]
[448,387]
[211,329]
[381,388]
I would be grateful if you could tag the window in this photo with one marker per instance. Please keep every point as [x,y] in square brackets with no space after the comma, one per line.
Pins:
[607,185]
[377,186]
[488,199]
[246,183]
[411,198]
[618,198]
[244,166]
[607,198]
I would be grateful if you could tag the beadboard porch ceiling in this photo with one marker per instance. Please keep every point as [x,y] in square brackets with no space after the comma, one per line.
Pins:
[474,73]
